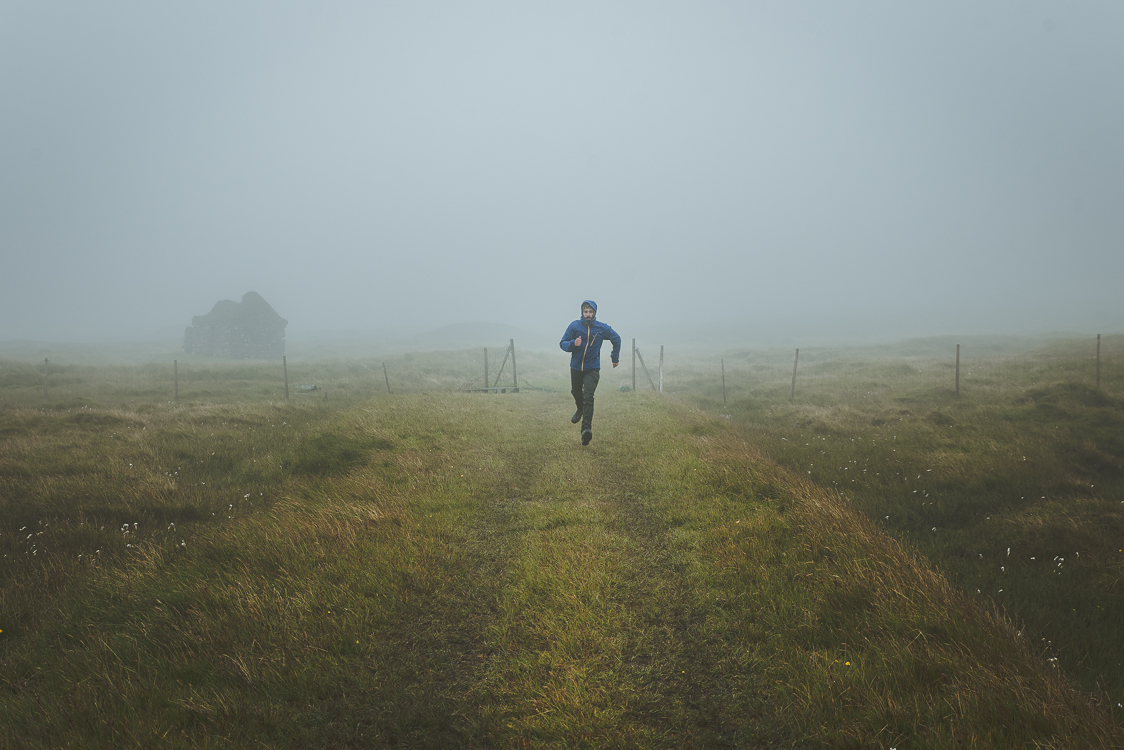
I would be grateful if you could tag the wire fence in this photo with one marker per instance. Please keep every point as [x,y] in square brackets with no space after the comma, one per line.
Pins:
[980,370]
[977,368]
[60,381]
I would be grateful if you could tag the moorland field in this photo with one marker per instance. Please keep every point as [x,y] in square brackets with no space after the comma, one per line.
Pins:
[867,558]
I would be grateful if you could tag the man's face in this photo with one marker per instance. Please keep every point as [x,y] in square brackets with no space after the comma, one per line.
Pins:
[587,314]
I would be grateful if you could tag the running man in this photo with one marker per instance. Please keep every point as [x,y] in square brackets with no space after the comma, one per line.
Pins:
[583,339]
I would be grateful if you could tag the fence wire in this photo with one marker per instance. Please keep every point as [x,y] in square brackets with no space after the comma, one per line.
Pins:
[992,369]
[985,371]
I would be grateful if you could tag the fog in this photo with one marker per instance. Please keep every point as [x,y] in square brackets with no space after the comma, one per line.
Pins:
[782,171]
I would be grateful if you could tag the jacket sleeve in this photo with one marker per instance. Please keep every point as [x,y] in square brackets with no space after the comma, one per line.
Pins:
[567,342]
[616,339]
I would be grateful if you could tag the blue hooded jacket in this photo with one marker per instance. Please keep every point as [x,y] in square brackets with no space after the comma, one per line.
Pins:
[588,355]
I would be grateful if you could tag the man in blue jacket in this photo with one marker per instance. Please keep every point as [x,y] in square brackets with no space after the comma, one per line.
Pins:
[583,339]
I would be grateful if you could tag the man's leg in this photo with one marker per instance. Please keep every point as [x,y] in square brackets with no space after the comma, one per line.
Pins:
[576,391]
[589,386]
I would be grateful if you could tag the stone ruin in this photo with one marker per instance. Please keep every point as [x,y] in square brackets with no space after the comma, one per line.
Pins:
[249,329]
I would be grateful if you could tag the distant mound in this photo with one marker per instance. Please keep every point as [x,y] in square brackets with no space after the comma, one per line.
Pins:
[249,329]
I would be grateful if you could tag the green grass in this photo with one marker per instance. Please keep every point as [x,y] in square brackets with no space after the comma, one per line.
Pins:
[1028,458]
[443,569]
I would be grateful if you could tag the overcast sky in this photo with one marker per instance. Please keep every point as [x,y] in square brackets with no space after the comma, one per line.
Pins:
[882,168]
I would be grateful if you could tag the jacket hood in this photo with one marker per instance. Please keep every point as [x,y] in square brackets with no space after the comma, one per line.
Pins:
[592,304]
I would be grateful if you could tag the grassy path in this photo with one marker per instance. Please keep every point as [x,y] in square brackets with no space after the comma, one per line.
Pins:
[479,579]
[597,638]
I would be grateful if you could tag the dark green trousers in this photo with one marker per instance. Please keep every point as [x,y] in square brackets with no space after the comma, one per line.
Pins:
[582,387]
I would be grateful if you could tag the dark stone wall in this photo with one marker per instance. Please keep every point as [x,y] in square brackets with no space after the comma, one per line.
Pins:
[249,329]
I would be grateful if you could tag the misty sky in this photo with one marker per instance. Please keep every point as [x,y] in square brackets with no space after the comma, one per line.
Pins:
[880,168]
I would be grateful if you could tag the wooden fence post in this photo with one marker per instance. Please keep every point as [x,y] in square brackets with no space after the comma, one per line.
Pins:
[386,377]
[646,373]
[792,395]
[958,369]
[661,368]
[486,381]
[285,369]
[1098,360]
[514,372]
[176,380]
[723,381]
[634,365]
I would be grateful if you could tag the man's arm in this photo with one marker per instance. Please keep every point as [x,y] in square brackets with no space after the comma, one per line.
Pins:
[566,344]
[616,339]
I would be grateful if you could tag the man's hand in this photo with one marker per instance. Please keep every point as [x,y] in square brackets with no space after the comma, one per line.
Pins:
[615,364]
[578,341]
